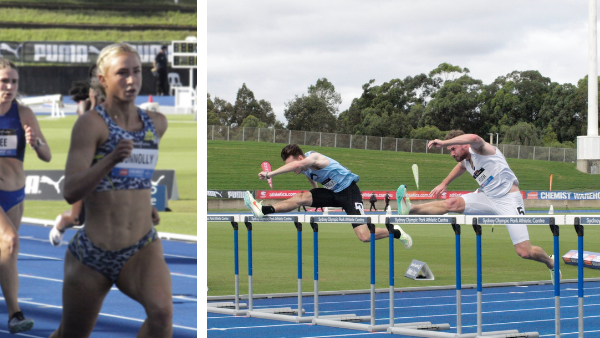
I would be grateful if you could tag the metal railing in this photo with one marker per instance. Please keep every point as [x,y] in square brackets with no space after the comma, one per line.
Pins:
[334,140]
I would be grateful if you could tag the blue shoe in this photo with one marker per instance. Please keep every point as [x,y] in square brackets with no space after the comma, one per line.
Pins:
[403,201]
[18,323]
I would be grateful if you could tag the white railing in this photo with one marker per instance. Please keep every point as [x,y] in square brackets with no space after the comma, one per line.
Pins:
[373,142]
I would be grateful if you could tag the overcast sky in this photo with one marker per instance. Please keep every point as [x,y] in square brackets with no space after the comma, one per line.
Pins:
[279,48]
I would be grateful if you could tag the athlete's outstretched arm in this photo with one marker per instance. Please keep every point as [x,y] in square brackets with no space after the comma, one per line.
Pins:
[456,172]
[478,145]
[314,160]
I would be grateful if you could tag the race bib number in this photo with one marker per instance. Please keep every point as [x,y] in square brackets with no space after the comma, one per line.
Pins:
[329,184]
[482,177]
[8,142]
[141,162]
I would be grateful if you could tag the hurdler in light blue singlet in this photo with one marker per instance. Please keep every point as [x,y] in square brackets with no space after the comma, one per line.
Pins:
[333,177]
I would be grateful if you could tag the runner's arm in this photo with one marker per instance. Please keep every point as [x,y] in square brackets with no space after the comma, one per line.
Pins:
[458,170]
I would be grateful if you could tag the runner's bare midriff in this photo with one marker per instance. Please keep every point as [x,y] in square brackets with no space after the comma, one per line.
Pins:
[12,175]
[117,219]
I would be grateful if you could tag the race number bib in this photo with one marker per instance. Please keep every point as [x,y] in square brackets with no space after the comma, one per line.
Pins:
[329,184]
[8,142]
[482,177]
[141,162]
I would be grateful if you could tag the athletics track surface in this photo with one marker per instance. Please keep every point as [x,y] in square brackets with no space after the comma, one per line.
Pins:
[523,308]
[40,292]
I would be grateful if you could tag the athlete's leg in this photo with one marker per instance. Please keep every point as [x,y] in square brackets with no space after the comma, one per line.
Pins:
[364,234]
[527,251]
[84,290]
[146,278]
[455,204]
[296,201]
[9,251]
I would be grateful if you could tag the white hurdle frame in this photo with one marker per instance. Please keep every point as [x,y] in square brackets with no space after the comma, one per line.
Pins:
[281,313]
[229,308]
[411,329]
[552,221]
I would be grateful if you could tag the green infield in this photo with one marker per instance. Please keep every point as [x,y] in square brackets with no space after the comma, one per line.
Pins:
[235,165]
[177,152]
[344,261]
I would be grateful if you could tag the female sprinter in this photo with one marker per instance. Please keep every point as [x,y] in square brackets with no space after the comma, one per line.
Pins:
[18,127]
[118,244]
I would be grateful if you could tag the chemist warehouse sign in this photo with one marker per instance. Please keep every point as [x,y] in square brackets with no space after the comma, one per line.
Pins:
[563,195]
[47,185]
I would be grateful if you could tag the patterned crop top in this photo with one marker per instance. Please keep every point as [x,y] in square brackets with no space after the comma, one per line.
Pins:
[136,170]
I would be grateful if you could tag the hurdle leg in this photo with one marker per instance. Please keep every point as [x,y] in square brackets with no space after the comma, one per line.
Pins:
[283,313]
[456,228]
[579,230]
[555,232]
[480,333]
[231,307]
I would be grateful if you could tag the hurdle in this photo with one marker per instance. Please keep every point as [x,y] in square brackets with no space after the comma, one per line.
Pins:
[579,222]
[418,332]
[231,308]
[477,221]
[282,313]
[342,321]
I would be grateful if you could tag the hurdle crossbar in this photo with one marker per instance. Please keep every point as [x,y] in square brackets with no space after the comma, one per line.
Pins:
[231,308]
[281,313]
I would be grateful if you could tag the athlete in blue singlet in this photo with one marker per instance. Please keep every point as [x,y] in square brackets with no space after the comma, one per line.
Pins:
[18,128]
[339,190]
[113,152]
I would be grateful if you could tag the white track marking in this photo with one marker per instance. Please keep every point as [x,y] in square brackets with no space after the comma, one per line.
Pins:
[104,314]
[182,275]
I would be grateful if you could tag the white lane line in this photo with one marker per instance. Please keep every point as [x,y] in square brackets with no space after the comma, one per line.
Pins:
[37,256]
[24,334]
[42,278]
[251,327]
[178,256]
[182,275]
[105,314]
[186,298]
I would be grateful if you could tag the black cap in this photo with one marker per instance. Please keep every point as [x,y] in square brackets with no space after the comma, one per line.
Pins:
[163,47]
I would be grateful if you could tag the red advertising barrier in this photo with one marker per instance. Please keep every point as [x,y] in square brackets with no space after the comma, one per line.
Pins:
[413,195]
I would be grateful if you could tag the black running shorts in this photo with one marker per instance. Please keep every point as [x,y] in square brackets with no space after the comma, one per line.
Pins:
[349,199]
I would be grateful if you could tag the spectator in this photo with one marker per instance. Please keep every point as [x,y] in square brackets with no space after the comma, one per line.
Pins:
[387,201]
[160,65]
[373,199]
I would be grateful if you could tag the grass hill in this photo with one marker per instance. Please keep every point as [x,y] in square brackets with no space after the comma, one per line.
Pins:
[234,165]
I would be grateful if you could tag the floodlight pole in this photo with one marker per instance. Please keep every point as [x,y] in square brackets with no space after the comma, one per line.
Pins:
[593,71]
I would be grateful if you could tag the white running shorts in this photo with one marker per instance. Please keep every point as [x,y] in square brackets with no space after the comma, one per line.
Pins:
[510,204]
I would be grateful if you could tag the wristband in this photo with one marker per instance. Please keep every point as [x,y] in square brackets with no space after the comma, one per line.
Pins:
[267,175]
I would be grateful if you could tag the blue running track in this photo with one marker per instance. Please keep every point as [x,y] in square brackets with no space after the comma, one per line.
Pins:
[40,292]
[523,308]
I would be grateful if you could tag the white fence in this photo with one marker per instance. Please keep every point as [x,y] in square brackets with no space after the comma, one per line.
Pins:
[373,142]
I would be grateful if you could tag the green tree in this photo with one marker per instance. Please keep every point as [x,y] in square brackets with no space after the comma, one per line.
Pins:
[447,72]
[253,122]
[523,133]
[427,133]
[316,111]
[455,106]
[246,105]
[384,110]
